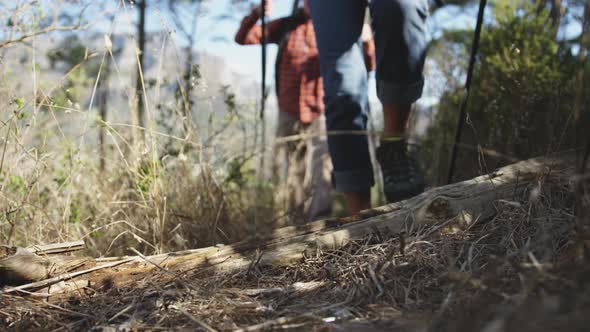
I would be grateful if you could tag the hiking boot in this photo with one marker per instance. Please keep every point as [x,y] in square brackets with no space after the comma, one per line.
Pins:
[402,176]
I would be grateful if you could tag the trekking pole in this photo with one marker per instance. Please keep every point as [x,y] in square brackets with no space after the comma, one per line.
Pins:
[263,87]
[295,6]
[463,110]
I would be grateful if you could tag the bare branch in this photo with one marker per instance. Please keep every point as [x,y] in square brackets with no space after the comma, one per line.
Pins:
[53,27]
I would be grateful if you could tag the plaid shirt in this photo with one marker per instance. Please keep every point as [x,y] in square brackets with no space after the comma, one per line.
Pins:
[300,88]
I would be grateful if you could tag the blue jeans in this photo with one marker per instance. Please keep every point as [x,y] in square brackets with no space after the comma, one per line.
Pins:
[399,28]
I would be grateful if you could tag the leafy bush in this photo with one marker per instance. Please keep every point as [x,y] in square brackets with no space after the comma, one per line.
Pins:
[521,98]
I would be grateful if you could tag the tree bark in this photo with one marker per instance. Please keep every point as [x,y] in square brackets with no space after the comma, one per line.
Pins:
[103,111]
[187,100]
[141,33]
[556,11]
[185,90]
[582,134]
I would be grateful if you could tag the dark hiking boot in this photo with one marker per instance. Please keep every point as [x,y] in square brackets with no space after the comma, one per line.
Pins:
[402,176]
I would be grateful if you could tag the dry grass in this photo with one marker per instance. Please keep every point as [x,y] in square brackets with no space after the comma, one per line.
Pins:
[519,270]
[156,207]
[179,183]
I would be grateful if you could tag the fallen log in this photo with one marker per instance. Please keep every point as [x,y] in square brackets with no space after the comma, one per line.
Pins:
[463,203]
[23,266]
[460,203]
[63,277]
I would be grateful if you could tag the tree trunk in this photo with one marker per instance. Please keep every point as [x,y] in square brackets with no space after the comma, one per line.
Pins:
[582,134]
[555,11]
[187,101]
[103,110]
[555,14]
[140,65]
[584,39]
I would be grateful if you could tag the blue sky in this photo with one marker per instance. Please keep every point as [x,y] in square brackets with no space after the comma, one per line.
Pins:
[216,27]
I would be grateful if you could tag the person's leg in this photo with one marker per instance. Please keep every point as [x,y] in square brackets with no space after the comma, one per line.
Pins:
[297,167]
[338,25]
[318,170]
[286,170]
[279,160]
[400,42]
[395,119]
[400,35]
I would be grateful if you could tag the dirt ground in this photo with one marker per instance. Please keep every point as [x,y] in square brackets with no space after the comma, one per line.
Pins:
[520,270]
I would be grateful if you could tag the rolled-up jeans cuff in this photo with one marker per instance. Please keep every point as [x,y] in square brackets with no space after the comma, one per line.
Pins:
[389,92]
[353,180]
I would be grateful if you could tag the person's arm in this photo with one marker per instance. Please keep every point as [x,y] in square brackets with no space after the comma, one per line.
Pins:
[251,33]
[368,48]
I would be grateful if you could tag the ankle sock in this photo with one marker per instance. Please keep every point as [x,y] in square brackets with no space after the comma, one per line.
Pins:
[392,139]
